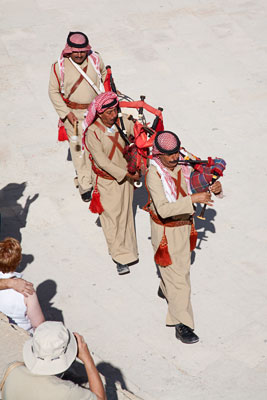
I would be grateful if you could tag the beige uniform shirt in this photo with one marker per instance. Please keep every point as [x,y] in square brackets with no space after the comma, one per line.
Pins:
[83,94]
[21,384]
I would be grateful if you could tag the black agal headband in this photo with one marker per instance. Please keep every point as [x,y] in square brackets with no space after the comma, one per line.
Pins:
[174,149]
[76,45]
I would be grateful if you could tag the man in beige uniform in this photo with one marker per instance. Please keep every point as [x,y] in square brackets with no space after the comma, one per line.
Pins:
[51,351]
[171,212]
[111,180]
[71,94]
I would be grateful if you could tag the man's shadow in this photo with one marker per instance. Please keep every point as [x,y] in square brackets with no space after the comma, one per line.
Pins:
[77,374]
[112,376]
[45,292]
[14,216]
[202,227]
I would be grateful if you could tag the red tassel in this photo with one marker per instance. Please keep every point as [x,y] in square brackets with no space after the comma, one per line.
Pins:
[162,256]
[193,238]
[95,205]
[62,134]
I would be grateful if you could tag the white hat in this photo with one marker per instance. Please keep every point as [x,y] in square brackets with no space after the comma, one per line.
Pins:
[51,350]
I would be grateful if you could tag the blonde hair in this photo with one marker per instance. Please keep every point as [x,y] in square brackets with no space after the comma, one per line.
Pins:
[10,254]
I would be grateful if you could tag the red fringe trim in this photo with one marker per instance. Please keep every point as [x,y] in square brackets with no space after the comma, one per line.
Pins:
[193,238]
[95,205]
[162,256]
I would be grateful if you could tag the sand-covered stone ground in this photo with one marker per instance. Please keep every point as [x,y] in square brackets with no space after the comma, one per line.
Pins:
[204,62]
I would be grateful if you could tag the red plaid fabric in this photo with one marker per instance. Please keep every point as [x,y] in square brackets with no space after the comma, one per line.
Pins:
[200,181]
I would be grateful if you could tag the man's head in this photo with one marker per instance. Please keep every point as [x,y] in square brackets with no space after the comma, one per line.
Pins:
[51,350]
[105,105]
[109,116]
[77,47]
[166,147]
[10,254]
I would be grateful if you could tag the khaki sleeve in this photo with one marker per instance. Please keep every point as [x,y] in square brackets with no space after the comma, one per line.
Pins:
[165,209]
[93,142]
[103,70]
[55,96]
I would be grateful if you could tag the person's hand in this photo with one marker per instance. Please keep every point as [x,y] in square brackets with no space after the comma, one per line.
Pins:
[30,199]
[83,351]
[72,117]
[203,197]
[22,286]
[135,177]
[216,188]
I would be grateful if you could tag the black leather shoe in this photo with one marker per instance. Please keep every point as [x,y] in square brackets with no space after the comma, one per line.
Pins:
[185,334]
[123,269]
[86,196]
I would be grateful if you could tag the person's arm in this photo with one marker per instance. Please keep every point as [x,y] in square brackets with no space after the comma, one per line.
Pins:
[54,94]
[95,383]
[18,284]
[102,68]
[34,310]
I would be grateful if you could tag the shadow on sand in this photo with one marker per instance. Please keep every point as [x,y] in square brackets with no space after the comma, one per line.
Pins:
[14,215]
[112,376]
[45,292]
[77,374]
[202,227]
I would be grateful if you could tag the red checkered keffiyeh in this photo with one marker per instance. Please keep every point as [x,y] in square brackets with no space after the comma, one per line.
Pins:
[101,103]
[80,39]
[165,142]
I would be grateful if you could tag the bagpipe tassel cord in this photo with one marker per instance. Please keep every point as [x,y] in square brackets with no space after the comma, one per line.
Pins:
[95,205]
[193,237]
[162,256]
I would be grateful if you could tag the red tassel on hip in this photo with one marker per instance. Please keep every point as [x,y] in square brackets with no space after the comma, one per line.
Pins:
[62,134]
[193,238]
[162,256]
[95,205]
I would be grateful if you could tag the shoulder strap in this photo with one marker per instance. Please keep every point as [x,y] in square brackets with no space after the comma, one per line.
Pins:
[86,77]
[9,369]
[77,83]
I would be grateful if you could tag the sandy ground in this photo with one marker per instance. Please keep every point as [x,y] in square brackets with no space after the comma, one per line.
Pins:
[204,62]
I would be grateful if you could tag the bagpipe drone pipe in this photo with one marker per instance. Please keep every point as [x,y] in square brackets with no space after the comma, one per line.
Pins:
[136,151]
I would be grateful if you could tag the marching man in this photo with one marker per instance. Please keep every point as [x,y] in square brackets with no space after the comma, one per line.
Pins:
[75,80]
[113,185]
[171,215]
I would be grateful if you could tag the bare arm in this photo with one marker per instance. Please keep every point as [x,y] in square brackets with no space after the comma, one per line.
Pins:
[34,310]
[95,383]
[18,284]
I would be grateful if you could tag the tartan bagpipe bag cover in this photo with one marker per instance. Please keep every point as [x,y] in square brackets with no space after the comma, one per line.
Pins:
[201,177]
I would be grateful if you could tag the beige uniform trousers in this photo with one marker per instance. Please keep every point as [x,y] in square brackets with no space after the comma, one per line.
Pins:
[175,278]
[116,195]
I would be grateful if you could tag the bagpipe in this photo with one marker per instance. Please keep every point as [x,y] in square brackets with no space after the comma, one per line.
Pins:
[136,152]
[204,174]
